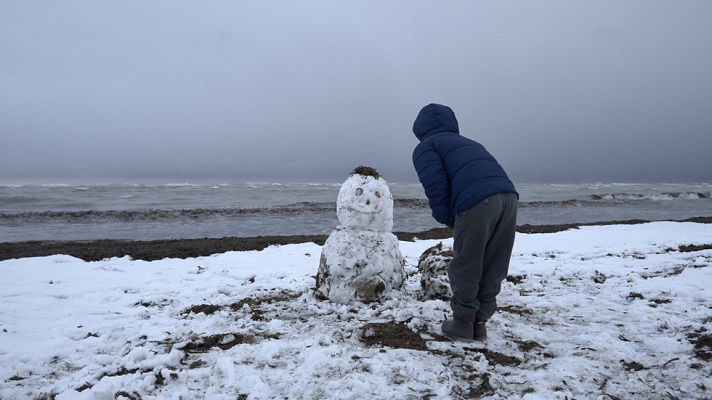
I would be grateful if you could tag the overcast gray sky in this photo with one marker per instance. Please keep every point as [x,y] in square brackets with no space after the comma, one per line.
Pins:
[556,90]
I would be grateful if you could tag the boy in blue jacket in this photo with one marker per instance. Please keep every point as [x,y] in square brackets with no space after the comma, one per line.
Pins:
[468,191]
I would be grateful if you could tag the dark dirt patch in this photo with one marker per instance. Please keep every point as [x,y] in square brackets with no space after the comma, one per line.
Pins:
[689,248]
[435,233]
[515,309]
[197,364]
[84,386]
[436,337]
[483,389]
[703,346]
[46,396]
[16,378]
[160,380]
[149,250]
[526,228]
[669,361]
[632,366]
[496,358]
[677,270]
[392,334]
[223,341]
[661,301]
[253,302]
[599,278]
[120,372]
[699,220]
[527,345]
[322,275]
[206,309]
[256,302]
[516,279]
[564,227]
[369,292]
[635,296]
[130,396]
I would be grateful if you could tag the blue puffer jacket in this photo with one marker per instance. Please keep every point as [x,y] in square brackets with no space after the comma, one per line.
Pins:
[456,172]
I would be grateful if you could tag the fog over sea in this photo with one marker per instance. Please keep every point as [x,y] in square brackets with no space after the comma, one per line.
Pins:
[169,210]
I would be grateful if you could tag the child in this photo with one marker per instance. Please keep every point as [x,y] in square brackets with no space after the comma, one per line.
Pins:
[468,191]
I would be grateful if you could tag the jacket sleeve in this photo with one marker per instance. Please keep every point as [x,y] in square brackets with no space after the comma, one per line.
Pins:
[432,176]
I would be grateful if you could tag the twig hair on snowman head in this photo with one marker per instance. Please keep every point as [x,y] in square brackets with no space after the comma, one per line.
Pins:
[366,171]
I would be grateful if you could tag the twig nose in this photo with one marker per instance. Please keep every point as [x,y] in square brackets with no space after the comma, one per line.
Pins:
[368,202]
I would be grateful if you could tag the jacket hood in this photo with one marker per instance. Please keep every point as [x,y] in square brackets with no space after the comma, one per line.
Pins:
[434,118]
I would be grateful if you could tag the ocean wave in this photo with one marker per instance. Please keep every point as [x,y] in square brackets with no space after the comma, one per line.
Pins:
[651,196]
[180,214]
[14,200]
[619,199]
[140,215]
[89,215]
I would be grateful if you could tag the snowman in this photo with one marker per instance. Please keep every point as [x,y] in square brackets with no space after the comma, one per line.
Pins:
[361,259]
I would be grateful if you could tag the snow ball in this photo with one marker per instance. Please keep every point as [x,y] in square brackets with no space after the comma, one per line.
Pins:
[365,202]
[432,265]
[359,265]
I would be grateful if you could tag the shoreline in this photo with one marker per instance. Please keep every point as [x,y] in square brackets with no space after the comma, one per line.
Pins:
[150,250]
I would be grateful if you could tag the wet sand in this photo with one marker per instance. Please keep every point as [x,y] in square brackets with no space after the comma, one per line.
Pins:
[184,248]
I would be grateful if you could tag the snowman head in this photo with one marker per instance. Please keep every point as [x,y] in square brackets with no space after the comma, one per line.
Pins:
[365,202]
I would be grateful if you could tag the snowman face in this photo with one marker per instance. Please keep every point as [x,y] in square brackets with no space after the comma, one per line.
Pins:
[366,203]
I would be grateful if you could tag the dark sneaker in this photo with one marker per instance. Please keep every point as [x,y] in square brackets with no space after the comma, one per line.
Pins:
[479,331]
[458,330]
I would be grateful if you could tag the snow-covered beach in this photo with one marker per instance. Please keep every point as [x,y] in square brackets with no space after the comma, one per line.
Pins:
[618,311]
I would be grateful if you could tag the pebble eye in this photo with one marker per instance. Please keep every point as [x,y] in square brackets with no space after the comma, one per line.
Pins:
[359,192]
[378,194]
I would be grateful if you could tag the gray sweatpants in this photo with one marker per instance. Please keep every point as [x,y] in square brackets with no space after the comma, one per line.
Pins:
[483,240]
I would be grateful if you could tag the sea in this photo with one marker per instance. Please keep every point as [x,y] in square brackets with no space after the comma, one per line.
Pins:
[182,210]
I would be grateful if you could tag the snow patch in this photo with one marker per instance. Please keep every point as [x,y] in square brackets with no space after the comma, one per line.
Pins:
[117,327]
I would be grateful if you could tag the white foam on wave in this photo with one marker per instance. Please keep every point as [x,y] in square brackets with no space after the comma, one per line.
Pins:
[653,196]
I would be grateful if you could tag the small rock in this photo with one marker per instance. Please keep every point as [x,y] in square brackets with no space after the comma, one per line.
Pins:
[599,277]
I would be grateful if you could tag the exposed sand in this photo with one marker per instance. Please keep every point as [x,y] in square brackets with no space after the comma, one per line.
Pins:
[184,248]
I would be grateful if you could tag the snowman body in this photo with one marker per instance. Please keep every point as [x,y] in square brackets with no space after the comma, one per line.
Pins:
[361,260]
